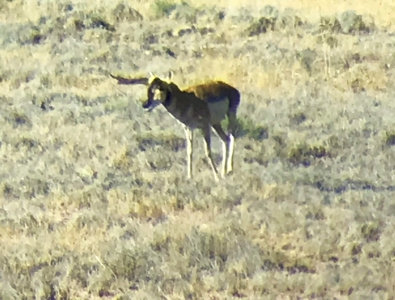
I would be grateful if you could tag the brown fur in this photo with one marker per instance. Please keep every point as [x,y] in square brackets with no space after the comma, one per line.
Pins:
[201,106]
[216,89]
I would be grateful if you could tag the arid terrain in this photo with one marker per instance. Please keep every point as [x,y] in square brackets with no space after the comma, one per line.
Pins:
[94,199]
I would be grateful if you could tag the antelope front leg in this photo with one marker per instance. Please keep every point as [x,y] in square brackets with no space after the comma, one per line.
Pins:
[189,136]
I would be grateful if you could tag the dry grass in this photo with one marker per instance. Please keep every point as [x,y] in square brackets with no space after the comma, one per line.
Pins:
[94,200]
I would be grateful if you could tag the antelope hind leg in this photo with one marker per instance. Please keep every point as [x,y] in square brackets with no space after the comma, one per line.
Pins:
[227,141]
[207,139]
[189,136]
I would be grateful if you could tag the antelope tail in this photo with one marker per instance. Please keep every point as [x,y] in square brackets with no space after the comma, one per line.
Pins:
[234,100]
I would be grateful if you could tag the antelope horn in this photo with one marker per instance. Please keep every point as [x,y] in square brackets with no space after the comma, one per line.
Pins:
[123,80]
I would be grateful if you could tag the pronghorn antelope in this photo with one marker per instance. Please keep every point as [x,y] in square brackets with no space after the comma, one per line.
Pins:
[201,106]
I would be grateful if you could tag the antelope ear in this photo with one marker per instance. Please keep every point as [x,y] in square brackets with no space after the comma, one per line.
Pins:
[151,77]
[170,76]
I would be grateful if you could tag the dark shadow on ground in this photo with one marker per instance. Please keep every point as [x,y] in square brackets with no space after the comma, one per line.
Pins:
[351,184]
[247,128]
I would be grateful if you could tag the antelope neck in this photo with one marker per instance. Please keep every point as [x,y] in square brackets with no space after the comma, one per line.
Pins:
[167,101]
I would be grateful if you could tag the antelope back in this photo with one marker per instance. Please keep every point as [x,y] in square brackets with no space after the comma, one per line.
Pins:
[219,97]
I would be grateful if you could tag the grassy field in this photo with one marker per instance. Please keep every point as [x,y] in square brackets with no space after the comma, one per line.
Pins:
[94,203]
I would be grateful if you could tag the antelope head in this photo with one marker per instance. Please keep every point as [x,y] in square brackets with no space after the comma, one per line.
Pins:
[158,91]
